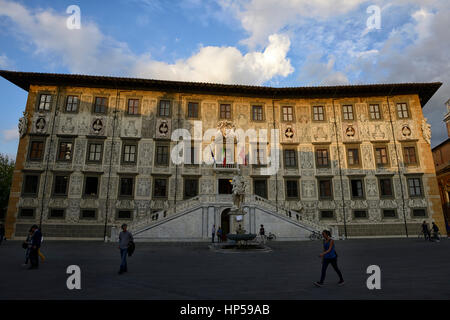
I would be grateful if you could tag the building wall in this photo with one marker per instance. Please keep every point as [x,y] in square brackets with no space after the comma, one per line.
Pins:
[334,133]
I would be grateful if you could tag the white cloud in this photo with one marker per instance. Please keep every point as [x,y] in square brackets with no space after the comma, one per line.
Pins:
[315,72]
[88,50]
[5,62]
[10,135]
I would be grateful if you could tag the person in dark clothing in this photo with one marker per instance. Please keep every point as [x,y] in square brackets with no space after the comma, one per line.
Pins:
[262,234]
[426,231]
[329,256]
[35,245]
[2,232]
[27,245]
[125,237]
[435,229]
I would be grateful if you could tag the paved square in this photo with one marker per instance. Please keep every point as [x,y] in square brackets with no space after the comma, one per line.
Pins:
[410,269]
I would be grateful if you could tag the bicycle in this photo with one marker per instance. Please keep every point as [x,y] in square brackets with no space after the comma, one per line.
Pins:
[271,236]
[315,236]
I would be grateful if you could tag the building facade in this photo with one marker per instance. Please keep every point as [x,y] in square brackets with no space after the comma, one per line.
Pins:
[95,152]
[441,155]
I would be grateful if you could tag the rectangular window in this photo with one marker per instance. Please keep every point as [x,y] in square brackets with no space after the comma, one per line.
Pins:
[126,187]
[124,215]
[288,113]
[31,185]
[160,188]
[100,104]
[419,213]
[409,155]
[326,214]
[374,111]
[36,150]
[129,153]
[260,188]
[65,151]
[91,186]
[389,213]
[164,108]
[258,154]
[190,188]
[26,213]
[381,156]
[348,112]
[257,113]
[360,214]
[95,152]
[318,113]
[386,187]
[322,158]
[415,187]
[133,106]
[72,103]
[353,157]
[192,110]
[225,111]
[45,102]
[56,214]
[292,189]
[162,155]
[402,110]
[88,214]
[357,188]
[325,186]
[290,159]
[60,185]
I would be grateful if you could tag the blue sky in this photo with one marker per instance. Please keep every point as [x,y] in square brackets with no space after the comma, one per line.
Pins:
[261,42]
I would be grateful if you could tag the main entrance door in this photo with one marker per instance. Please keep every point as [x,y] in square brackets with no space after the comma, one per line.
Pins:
[225,222]
[225,186]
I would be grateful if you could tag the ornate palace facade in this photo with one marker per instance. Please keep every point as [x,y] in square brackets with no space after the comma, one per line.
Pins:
[98,151]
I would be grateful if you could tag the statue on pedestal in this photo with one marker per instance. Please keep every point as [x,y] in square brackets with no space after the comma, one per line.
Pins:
[238,194]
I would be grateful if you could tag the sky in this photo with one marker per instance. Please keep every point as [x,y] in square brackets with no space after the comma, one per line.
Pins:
[259,42]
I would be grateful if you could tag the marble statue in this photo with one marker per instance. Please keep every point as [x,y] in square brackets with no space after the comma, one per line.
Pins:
[23,124]
[238,192]
[426,130]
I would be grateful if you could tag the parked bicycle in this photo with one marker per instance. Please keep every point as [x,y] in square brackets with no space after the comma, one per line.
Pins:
[315,236]
[271,236]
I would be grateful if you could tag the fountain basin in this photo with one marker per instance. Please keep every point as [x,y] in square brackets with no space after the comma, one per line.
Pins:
[241,237]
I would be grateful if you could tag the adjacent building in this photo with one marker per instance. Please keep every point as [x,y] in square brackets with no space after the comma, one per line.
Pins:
[95,152]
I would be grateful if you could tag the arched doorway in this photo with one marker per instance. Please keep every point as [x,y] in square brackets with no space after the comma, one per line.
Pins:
[225,222]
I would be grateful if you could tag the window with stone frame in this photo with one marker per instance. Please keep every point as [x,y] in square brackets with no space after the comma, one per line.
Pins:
[190,188]
[419,213]
[381,156]
[374,112]
[409,155]
[415,187]
[257,113]
[193,110]
[72,103]
[36,150]
[26,213]
[124,215]
[353,157]
[164,108]
[126,187]
[100,104]
[160,187]
[90,214]
[290,158]
[162,155]
[389,213]
[402,110]
[360,214]
[65,150]
[259,156]
[129,153]
[318,113]
[57,213]
[357,188]
[326,214]
[95,151]
[133,106]
[91,186]
[325,189]
[322,158]
[225,111]
[60,185]
[30,185]
[386,187]
[45,102]
[292,189]
[347,112]
[260,187]
[288,113]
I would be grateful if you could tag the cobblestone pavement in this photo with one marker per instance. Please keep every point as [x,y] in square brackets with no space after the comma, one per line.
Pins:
[410,269]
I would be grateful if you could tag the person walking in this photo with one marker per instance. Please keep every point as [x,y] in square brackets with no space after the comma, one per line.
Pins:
[213,232]
[125,238]
[329,256]
[262,234]
[435,229]
[35,245]
[27,246]
[426,231]
[41,255]
[2,232]
[219,234]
